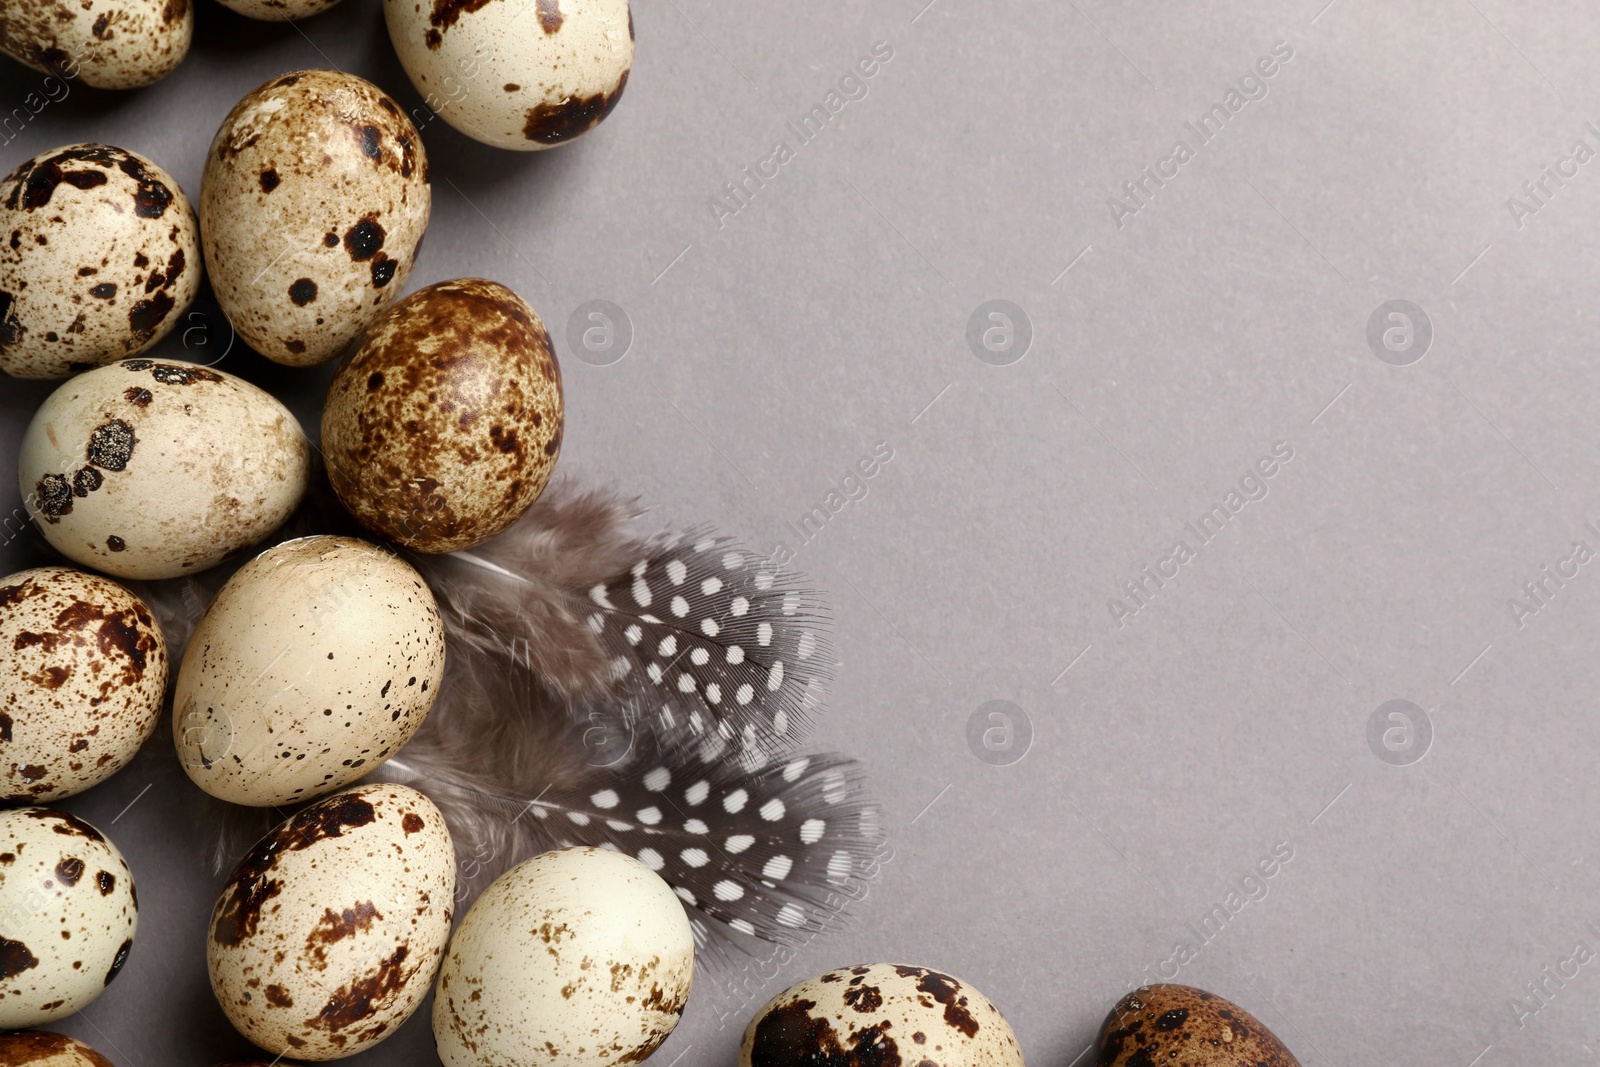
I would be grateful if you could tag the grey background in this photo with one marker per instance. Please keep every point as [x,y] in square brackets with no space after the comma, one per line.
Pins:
[1229,715]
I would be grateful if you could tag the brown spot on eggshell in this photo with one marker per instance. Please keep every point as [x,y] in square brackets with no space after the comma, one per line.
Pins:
[120,961]
[551,123]
[15,958]
[550,18]
[111,445]
[69,870]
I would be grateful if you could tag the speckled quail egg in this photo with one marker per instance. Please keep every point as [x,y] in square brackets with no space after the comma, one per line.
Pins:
[313,665]
[328,933]
[101,260]
[154,469]
[583,953]
[278,10]
[1181,1024]
[81,684]
[880,1013]
[68,914]
[445,425]
[108,44]
[527,75]
[41,1048]
[314,200]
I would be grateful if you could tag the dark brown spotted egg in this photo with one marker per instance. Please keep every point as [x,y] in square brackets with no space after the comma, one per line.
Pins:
[314,200]
[68,914]
[313,665]
[81,683]
[1181,1024]
[445,425]
[109,44]
[41,1048]
[880,1013]
[328,933]
[582,953]
[99,258]
[153,468]
[520,74]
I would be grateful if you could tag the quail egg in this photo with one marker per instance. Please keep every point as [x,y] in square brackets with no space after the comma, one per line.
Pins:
[328,933]
[82,684]
[583,953]
[313,665]
[525,76]
[41,1048]
[880,1013]
[68,914]
[1181,1024]
[109,44]
[152,468]
[314,199]
[99,258]
[445,425]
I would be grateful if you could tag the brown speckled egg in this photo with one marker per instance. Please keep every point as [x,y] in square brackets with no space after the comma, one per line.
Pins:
[68,915]
[41,1048]
[880,1013]
[445,425]
[328,933]
[527,75]
[1181,1024]
[582,953]
[108,44]
[313,665]
[314,200]
[99,258]
[81,683]
[151,469]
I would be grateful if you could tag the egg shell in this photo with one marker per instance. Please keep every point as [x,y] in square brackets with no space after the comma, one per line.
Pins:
[155,468]
[583,953]
[81,685]
[41,1048]
[102,260]
[329,931]
[445,425]
[68,915]
[1182,1024]
[278,10]
[314,199]
[521,75]
[313,665]
[880,1013]
[107,44]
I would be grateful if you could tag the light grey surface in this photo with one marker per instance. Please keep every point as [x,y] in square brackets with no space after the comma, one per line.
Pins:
[1231,714]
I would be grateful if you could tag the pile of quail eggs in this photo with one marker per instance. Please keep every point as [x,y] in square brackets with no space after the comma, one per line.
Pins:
[333,928]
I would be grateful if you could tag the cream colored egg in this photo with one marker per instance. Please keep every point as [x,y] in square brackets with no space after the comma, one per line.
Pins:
[107,44]
[68,914]
[513,74]
[328,933]
[583,953]
[278,10]
[313,665]
[314,200]
[99,259]
[41,1048]
[81,683]
[880,1013]
[154,469]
